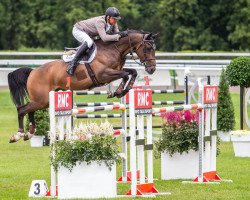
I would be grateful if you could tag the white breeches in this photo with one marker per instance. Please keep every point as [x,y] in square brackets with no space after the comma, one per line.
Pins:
[82,37]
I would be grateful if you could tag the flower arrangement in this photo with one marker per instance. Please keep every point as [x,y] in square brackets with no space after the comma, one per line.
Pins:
[180,132]
[88,142]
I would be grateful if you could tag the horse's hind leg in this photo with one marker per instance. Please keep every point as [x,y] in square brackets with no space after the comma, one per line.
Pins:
[20,132]
[32,126]
[22,111]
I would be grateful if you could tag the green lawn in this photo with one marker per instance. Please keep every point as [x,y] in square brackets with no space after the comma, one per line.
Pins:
[20,164]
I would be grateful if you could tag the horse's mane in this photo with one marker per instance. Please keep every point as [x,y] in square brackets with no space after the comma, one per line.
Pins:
[137,31]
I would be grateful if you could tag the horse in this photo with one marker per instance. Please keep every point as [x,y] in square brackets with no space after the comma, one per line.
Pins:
[29,88]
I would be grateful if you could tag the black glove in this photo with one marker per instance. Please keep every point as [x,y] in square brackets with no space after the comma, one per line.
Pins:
[123,33]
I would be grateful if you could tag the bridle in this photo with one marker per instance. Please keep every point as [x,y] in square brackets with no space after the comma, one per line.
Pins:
[135,48]
[142,44]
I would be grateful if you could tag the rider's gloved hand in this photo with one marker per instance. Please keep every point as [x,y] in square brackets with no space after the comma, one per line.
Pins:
[123,33]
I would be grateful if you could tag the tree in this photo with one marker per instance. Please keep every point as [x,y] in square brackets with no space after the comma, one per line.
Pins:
[225,110]
[238,73]
[178,21]
[238,25]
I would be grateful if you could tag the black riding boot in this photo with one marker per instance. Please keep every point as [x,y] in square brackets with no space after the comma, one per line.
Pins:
[71,67]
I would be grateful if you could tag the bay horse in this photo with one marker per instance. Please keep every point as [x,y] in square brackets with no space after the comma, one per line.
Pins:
[30,88]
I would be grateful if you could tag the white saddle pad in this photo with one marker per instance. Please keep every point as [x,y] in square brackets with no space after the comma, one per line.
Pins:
[69,56]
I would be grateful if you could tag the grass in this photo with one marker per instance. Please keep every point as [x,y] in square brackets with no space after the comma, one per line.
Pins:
[20,164]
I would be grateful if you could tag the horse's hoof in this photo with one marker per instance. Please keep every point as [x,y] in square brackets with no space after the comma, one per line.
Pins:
[12,139]
[111,95]
[27,136]
[15,138]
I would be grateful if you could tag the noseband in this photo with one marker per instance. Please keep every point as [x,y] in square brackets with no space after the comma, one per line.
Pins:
[142,44]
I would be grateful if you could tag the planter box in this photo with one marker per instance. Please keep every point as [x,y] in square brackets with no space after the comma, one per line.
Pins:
[36,141]
[179,166]
[87,181]
[241,145]
[224,136]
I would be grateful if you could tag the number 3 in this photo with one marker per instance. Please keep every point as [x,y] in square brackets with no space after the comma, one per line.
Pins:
[37,185]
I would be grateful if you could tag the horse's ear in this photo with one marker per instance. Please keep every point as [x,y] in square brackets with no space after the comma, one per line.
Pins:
[148,36]
[155,35]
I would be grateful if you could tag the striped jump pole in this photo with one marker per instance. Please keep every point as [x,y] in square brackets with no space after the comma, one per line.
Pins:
[90,92]
[85,104]
[84,116]
[95,104]
[167,91]
[177,108]
[119,132]
[76,111]
[168,102]
[107,92]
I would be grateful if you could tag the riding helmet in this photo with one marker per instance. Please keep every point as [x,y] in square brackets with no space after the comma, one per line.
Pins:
[113,12]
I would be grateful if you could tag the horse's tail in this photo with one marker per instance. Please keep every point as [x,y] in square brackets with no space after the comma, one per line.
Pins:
[18,85]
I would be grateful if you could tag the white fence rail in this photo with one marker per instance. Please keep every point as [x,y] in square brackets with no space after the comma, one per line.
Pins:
[180,62]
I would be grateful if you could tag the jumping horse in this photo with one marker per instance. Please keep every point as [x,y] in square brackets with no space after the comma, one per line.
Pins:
[30,88]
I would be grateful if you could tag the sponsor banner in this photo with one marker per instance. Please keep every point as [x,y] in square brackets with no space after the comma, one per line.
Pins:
[143,102]
[63,100]
[210,94]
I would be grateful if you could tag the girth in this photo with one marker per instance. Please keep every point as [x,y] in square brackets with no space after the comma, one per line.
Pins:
[92,76]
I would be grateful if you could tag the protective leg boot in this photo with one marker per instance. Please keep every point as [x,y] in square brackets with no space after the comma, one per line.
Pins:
[71,67]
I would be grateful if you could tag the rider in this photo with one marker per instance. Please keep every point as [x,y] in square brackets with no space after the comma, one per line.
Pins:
[104,26]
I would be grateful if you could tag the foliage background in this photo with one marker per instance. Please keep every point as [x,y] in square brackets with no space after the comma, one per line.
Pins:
[183,24]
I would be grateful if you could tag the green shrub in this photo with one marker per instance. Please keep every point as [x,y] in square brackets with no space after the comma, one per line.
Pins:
[225,111]
[180,133]
[98,148]
[91,142]
[42,122]
[238,72]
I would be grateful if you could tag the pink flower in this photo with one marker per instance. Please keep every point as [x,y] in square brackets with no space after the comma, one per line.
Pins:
[188,115]
[180,117]
[172,117]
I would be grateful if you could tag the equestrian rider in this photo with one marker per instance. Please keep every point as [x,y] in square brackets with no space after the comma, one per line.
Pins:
[104,26]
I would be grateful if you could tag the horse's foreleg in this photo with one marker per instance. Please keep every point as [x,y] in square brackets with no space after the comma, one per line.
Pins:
[133,74]
[110,75]
[32,127]
[120,88]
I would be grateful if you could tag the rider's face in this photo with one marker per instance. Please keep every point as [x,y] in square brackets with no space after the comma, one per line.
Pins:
[112,21]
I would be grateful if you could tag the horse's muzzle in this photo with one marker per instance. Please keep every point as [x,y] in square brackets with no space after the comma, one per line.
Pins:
[150,69]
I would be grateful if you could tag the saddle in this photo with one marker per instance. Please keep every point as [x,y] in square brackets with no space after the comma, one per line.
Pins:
[88,57]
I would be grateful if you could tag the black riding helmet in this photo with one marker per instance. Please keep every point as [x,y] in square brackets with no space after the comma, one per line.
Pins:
[113,12]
